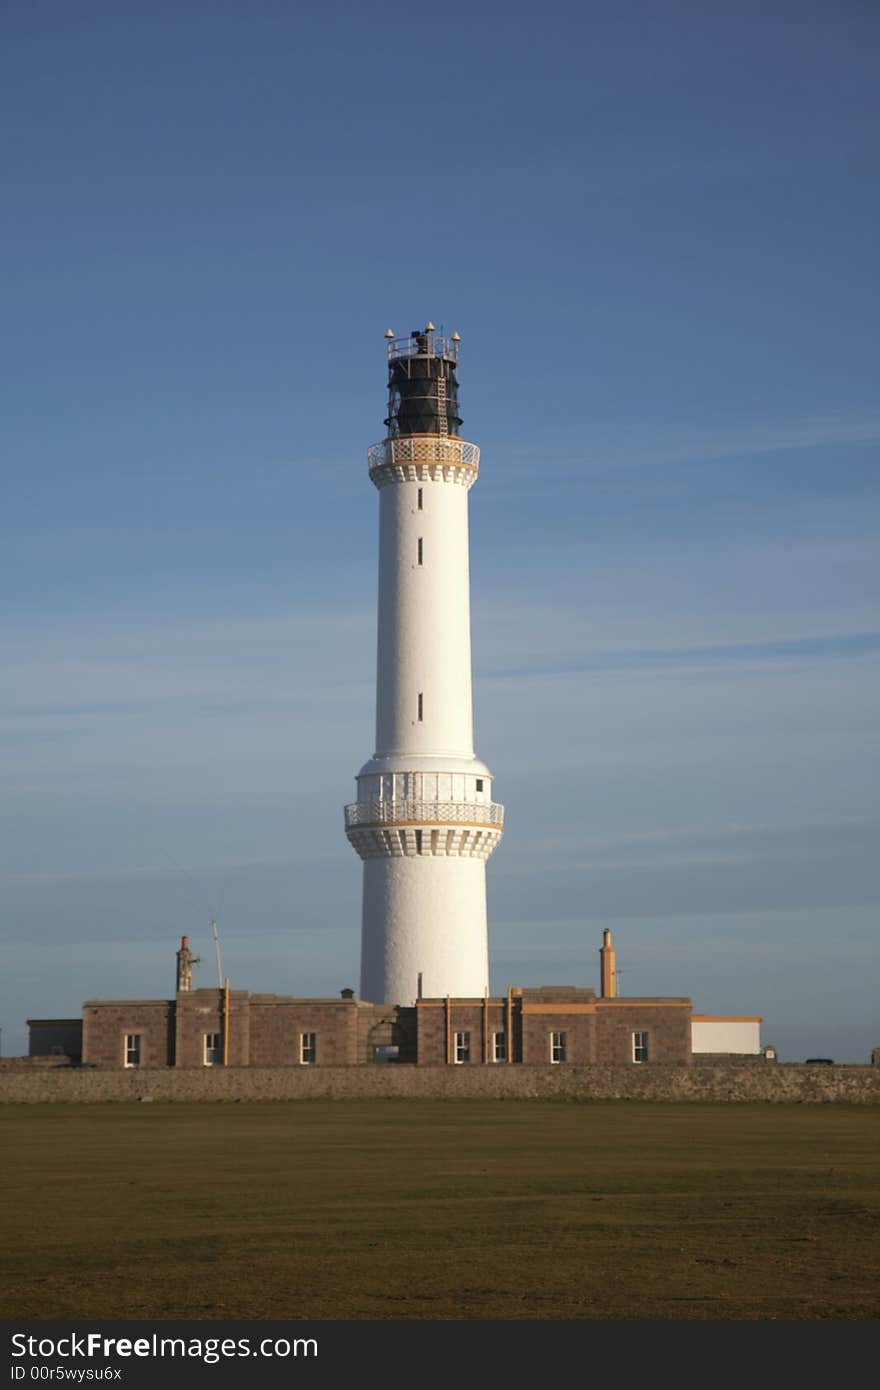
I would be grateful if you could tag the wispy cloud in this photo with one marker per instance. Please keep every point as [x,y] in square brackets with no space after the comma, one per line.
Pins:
[618,446]
[700,845]
[838,648]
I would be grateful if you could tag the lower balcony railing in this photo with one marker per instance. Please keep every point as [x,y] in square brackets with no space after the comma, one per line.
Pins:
[369,813]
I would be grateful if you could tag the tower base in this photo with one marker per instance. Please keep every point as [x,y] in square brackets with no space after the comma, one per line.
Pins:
[424,915]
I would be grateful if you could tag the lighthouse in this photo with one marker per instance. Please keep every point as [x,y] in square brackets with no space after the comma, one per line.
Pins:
[424,822]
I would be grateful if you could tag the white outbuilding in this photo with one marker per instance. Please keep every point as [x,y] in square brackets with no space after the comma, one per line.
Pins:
[721,1034]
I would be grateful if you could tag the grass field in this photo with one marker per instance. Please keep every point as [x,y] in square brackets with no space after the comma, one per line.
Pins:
[419,1209]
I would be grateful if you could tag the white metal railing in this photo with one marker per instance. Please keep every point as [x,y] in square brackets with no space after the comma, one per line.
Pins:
[423,448]
[423,345]
[362,813]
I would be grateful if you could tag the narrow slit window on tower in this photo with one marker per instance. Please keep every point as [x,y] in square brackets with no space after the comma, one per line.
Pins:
[421,551]
[421,501]
[421,706]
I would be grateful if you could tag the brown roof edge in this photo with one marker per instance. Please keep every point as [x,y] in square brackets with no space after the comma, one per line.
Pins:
[620,1002]
[726,1018]
[498,999]
[119,1003]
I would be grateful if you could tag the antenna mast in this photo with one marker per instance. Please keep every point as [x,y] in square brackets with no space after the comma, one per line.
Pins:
[217,949]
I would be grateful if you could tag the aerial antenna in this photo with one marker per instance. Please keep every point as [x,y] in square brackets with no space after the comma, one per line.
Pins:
[215,913]
[186,873]
[217,949]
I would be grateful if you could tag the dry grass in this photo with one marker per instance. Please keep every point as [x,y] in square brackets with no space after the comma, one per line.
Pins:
[419,1209]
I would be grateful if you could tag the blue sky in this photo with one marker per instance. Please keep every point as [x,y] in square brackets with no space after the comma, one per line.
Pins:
[654,225]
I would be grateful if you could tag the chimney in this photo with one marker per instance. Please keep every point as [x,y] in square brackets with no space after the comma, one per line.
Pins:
[608,965]
[185,962]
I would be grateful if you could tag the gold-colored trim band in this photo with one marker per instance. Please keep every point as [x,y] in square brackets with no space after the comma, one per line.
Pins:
[398,824]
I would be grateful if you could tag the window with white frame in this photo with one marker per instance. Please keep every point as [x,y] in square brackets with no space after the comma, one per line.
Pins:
[499,1047]
[132,1049]
[558,1047]
[308,1050]
[462,1047]
[640,1047]
[212,1049]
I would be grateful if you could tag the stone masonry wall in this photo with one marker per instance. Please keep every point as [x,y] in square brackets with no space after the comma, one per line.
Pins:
[776,1082]
[278,1026]
[470,1018]
[381,1025]
[667,1025]
[576,1027]
[200,1012]
[106,1023]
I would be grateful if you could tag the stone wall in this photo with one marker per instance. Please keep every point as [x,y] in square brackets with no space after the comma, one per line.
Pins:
[36,1063]
[278,1026]
[108,1022]
[666,1023]
[382,1025]
[198,1015]
[469,1019]
[774,1083]
[573,1024]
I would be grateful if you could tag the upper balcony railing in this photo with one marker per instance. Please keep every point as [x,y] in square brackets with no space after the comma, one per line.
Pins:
[423,345]
[370,813]
[423,448]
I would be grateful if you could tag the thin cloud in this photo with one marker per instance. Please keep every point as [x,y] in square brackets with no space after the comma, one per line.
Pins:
[836,648]
[654,444]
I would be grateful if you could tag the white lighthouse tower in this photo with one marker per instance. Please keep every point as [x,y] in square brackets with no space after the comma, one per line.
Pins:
[424,822]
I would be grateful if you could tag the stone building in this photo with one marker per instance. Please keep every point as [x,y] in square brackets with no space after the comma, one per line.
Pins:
[556,1025]
[553,1025]
[213,1027]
